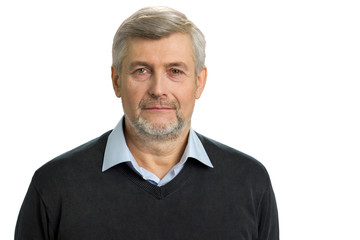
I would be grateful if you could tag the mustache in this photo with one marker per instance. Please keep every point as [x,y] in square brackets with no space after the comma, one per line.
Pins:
[146,103]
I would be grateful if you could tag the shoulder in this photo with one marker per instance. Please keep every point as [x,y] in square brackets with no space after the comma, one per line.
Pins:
[85,158]
[232,162]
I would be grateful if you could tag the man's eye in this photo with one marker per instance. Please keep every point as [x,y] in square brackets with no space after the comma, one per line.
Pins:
[141,70]
[175,71]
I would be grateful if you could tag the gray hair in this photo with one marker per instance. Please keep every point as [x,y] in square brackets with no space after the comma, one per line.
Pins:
[155,23]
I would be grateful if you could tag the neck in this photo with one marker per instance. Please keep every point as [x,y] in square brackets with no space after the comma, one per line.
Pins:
[156,156]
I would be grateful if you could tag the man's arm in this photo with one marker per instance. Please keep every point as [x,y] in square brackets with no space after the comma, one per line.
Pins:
[268,223]
[32,223]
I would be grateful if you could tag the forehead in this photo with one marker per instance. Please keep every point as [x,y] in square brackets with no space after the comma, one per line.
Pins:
[176,47]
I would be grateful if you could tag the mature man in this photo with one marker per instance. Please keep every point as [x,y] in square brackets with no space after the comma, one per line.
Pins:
[152,177]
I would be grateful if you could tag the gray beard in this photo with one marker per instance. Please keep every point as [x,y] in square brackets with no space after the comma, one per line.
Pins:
[153,132]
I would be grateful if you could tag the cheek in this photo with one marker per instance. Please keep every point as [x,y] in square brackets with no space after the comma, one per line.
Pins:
[130,101]
[131,96]
[187,100]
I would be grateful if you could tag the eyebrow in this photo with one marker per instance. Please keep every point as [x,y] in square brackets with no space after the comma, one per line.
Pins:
[178,64]
[139,63]
[145,64]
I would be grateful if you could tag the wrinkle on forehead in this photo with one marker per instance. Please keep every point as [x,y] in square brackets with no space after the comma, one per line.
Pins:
[175,49]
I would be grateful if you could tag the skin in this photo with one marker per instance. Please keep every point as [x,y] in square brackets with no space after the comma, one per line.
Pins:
[160,73]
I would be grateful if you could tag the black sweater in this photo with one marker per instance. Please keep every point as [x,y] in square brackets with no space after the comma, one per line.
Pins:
[70,198]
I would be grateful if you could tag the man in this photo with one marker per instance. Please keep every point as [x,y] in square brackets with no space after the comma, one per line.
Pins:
[152,177]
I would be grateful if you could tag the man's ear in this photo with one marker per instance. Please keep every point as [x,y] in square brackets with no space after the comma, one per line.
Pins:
[115,81]
[200,82]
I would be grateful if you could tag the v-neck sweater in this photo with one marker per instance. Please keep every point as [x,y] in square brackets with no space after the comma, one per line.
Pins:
[71,198]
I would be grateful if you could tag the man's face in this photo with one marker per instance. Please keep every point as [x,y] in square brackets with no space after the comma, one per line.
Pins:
[158,84]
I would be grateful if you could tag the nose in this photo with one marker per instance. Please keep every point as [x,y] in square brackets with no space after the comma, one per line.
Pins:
[158,86]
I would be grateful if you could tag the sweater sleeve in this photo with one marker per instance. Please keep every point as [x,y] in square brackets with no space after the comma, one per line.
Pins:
[268,225]
[32,221]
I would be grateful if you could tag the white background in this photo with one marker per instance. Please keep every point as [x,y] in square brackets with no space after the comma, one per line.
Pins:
[283,86]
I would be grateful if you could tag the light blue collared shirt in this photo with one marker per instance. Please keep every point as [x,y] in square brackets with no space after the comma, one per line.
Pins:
[117,151]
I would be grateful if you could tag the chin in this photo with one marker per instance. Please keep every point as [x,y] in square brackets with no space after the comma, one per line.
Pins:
[160,130]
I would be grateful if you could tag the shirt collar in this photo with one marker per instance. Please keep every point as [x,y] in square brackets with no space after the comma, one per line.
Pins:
[116,150]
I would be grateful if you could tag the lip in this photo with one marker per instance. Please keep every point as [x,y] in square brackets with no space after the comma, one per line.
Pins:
[158,108]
